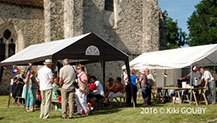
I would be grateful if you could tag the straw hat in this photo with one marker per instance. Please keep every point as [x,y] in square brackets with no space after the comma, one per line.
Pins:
[142,71]
[48,61]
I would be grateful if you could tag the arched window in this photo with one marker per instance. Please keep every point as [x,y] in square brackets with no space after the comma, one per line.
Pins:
[2,49]
[92,50]
[11,48]
[7,34]
[7,43]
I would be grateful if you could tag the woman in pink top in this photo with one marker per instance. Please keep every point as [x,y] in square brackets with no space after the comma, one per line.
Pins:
[81,93]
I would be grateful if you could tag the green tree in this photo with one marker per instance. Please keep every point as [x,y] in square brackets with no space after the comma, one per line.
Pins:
[202,23]
[175,36]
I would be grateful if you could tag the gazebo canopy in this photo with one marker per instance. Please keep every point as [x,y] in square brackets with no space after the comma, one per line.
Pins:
[87,48]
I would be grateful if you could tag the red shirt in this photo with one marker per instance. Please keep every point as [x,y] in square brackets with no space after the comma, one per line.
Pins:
[122,87]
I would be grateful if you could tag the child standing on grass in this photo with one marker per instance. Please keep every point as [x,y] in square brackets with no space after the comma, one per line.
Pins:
[56,94]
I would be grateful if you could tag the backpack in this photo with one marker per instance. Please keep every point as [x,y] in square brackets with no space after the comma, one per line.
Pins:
[149,83]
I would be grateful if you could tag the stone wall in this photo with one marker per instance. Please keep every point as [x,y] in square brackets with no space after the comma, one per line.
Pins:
[73,18]
[54,19]
[27,21]
[135,27]
[35,3]
[5,83]
[28,26]
[138,29]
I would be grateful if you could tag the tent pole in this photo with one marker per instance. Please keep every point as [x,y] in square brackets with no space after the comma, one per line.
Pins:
[54,65]
[128,73]
[1,72]
[122,78]
[164,82]
[163,78]
[58,67]
[27,86]
[11,84]
[191,85]
[103,72]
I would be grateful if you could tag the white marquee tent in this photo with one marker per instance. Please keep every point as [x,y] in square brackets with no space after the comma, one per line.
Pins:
[171,61]
[205,55]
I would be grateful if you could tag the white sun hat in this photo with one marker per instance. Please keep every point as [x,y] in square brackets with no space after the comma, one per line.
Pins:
[48,61]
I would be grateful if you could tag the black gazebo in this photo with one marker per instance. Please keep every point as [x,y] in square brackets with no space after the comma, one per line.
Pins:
[87,48]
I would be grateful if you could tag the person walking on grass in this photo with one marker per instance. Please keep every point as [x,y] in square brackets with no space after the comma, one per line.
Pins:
[45,77]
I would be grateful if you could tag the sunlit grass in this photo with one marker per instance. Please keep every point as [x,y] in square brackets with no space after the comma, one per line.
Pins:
[115,114]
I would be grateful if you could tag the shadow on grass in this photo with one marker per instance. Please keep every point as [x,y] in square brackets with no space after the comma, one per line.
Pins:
[1,118]
[105,111]
[93,113]
[152,105]
[75,116]
[139,104]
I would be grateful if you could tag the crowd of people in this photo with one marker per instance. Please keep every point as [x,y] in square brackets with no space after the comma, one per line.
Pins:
[74,90]
[71,87]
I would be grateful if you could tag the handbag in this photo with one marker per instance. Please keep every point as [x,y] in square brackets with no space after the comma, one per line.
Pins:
[75,84]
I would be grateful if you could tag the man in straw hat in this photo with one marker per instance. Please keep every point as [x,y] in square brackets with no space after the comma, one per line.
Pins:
[45,77]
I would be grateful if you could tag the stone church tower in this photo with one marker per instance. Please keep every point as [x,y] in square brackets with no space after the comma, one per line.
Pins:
[133,26]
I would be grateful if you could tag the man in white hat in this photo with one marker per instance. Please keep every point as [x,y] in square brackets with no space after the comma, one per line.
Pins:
[45,77]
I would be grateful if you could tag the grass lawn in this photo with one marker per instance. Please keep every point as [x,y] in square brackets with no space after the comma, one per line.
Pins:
[116,114]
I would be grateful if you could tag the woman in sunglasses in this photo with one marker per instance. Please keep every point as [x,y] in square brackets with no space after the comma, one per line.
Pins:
[82,91]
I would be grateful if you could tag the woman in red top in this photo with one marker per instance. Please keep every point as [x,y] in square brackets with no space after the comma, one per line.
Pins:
[119,92]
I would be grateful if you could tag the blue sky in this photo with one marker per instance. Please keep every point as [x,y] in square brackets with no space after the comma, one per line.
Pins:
[179,10]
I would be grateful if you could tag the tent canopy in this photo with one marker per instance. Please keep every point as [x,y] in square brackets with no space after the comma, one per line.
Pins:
[205,55]
[88,48]
[83,49]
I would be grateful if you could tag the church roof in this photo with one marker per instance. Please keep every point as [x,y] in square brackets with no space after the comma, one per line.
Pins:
[35,3]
